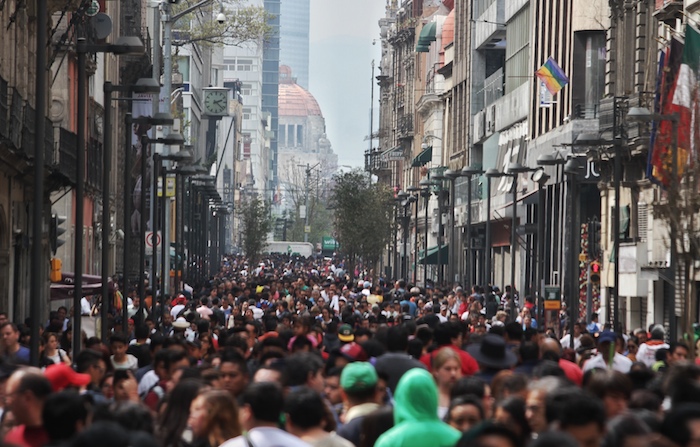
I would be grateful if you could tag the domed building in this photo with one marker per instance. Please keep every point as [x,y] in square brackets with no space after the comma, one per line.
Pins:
[301,134]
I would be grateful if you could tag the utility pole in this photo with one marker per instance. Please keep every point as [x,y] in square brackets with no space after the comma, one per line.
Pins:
[306,198]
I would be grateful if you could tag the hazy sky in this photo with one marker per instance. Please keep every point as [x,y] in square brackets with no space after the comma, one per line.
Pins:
[341,54]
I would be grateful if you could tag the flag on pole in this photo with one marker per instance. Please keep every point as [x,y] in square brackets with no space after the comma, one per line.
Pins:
[685,98]
[553,76]
[662,132]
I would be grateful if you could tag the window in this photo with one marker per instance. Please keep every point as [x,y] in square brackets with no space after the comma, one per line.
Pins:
[300,135]
[282,134]
[246,90]
[518,50]
[245,64]
[246,113]
[183,66]
[247,141]
[290,135]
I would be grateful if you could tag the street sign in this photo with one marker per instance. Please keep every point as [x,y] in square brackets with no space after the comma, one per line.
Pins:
[307,229]
[551,298]
[149,242]
[393,155]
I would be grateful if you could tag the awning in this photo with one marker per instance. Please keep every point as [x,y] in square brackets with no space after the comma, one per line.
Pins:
[63,290]
[433,255]
[427,35]
[423,158]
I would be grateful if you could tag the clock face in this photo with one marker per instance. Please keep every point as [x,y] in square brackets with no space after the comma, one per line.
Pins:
[215,102]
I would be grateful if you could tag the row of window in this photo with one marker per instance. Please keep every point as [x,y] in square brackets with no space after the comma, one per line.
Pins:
[291,135]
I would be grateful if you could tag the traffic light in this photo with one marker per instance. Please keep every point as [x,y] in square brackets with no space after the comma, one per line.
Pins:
[55,231]
[595,272]
[56,274]
[594,238]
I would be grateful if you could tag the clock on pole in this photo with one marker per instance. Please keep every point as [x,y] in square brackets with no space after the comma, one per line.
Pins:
[216,101]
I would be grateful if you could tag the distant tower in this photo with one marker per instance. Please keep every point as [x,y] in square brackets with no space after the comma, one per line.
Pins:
[294,38]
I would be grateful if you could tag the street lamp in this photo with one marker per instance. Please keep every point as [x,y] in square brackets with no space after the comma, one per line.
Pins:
[469,172]
[425,185]
[144,85]
[451,177]
[514,170]
[490,174]
[415,192]
[173,139]
[157,119]
[572,170]
[182,156]
[124,45]
[181,172]
[540,177]
[440,179]
[640,114]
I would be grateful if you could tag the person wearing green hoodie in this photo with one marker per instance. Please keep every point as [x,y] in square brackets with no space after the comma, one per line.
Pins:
[416,422]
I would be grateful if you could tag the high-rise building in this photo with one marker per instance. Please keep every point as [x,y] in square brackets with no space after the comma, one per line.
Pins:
[294,38]
[270,83]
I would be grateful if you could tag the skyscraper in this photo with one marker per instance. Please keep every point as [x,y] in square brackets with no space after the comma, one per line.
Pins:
[294,38]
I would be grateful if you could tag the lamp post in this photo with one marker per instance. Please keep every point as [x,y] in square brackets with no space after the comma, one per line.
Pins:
[440,179]
[406,224]
[181,173]
[451,177]
[401,197]
[469,172]
[157,119]
[490,174]
[415,192]
[124,45]
[158,222]
[144,85]
[37,285]
[557,160]
[425,186]
[514,170]
[572,169]
[639,114]
[540,177]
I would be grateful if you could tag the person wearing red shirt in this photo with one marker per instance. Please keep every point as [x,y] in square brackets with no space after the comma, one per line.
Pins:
[448,335]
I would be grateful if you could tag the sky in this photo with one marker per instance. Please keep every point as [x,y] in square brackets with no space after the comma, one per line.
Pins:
[340,71]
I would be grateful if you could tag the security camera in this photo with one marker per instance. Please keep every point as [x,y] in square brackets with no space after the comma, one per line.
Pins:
[221,18]
[120,234]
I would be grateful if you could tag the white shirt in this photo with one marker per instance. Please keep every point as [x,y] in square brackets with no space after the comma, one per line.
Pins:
[266,437]
[647,352]
[620,363]
[147,381]
[565,343]
[85,306]
[175,311]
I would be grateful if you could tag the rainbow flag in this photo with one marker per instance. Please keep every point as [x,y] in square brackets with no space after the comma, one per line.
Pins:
[553,76]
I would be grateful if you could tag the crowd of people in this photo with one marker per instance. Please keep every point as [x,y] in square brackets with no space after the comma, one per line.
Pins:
[294,352]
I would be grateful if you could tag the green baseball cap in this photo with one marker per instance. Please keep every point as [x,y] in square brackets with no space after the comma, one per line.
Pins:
[358,376]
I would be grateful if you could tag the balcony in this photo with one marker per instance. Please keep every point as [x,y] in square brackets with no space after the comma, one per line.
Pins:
[67,154]
[405,126]
[93,175]
[16,118]
[4,110]
[668,10]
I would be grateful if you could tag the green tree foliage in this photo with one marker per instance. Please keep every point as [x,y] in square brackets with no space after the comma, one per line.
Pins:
[244,23]
[256,223]
[362,217]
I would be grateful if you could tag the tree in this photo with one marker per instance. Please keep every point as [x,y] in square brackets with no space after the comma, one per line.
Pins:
[362,217]
[244,23]
[293,178]
[256,224]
